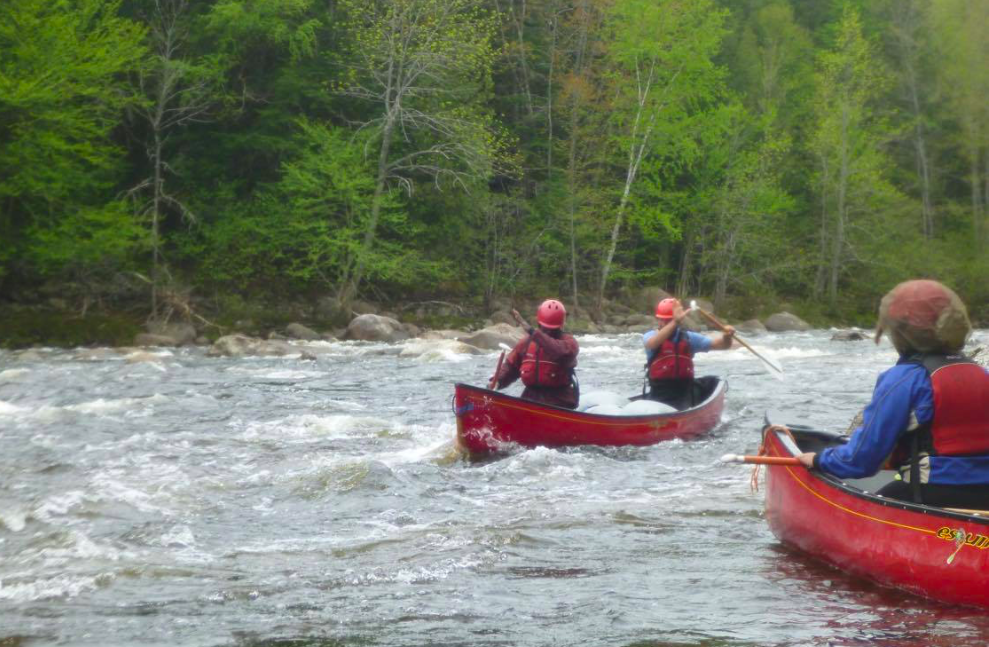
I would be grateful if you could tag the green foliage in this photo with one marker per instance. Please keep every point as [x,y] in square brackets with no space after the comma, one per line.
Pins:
[759,152]
[63,89]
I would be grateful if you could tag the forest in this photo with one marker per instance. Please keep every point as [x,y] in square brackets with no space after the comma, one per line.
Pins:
[161,153]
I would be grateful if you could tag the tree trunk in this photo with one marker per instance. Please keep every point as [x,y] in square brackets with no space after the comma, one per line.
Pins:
[686,265]
[923,164]
[820,280]
[636,150]
[155,217]
[976,182]
[350,287]
[841,211]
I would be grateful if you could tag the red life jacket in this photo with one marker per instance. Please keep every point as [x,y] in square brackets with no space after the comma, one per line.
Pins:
[672,361]
[537,370]
[960,426]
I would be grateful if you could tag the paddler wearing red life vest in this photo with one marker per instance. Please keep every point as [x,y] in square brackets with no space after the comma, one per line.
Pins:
[670,354]
[545,359]
[929,414]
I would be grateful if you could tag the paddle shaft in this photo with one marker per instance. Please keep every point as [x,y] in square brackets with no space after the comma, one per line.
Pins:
[494,378]
[710,317]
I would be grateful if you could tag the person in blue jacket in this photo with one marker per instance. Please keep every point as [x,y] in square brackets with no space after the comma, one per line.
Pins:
[929,414]
[670,354]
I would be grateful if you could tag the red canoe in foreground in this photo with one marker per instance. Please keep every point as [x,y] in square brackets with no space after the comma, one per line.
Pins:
[489,421]
[938,553]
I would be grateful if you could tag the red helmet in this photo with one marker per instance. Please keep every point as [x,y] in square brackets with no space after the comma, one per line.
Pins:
[664,309]
[551,314]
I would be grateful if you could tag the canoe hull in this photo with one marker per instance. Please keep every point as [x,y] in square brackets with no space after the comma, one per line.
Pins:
[489,421]
[893,543]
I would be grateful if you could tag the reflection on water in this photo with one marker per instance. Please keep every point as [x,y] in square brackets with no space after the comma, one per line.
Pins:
[169,498]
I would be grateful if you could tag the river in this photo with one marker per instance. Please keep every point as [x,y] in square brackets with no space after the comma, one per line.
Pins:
[176,499]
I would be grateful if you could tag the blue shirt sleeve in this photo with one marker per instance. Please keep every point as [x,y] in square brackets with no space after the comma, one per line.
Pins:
[901,400]
[698,343]
[645,338]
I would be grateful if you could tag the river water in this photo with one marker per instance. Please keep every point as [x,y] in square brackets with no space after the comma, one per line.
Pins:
[176,499]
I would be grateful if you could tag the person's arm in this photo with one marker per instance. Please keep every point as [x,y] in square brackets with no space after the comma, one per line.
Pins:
[724,342]
[900,393]
[511,367]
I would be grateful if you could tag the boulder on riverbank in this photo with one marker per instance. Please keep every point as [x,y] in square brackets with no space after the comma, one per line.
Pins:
[751,326]
[849,335]
[182,333]
[148,339]
[492,337]
[371,327]
[242,346]
[438,348]
[299,331]
[786,322]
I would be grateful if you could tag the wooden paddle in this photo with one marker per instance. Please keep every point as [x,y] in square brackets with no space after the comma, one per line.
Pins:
[760,460]
[777,370]
[494,378]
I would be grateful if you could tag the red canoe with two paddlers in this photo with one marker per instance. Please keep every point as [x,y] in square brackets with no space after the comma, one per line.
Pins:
[489,421]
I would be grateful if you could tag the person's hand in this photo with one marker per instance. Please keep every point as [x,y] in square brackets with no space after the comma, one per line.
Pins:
[807,459]
[729,331]
[679,314]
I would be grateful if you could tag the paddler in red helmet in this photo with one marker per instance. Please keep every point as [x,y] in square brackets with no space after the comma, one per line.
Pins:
[670,354]
[545,359]
[929,415]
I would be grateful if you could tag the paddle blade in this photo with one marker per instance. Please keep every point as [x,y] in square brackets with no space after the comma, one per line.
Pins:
[774,367]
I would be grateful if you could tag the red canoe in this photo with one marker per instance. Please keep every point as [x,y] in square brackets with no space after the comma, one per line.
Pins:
[489,421]
[934,552]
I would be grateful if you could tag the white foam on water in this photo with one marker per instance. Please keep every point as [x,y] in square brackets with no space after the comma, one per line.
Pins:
[315,427]
[314,543]
[418,454]
[14,519]
[63,586]
[13,373]
[178,536]
[595,338]
[274,373]
[146,352]
[108,488]
[10,409]
[542,464]
[437,355]
[99,406]
[794,352]
[420,575]
[288,375]
[607,350]
[58,505]
[436,350]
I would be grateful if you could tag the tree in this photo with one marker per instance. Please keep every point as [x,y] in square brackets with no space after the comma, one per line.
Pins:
[63,90]
[962,32]
[179,92]
[423,66]
[661,65]
[848,144]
